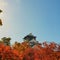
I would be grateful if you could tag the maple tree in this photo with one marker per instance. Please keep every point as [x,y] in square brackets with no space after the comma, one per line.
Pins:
[7,53]
[22,51]
[41,51]
[21,47]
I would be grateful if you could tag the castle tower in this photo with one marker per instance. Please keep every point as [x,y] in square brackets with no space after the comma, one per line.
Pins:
[31,39]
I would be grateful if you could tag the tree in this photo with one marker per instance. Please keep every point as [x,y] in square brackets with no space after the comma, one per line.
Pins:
[7,53]
[6,40]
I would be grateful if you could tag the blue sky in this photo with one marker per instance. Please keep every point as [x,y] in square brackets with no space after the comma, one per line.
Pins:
[40,17]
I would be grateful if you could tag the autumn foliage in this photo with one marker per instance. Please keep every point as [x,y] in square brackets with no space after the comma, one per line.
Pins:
[23,51]
[7,53]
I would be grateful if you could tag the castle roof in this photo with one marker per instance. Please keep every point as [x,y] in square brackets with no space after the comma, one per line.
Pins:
[29,37]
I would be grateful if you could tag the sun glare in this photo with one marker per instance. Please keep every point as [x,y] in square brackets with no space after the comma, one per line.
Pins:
[3,3]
